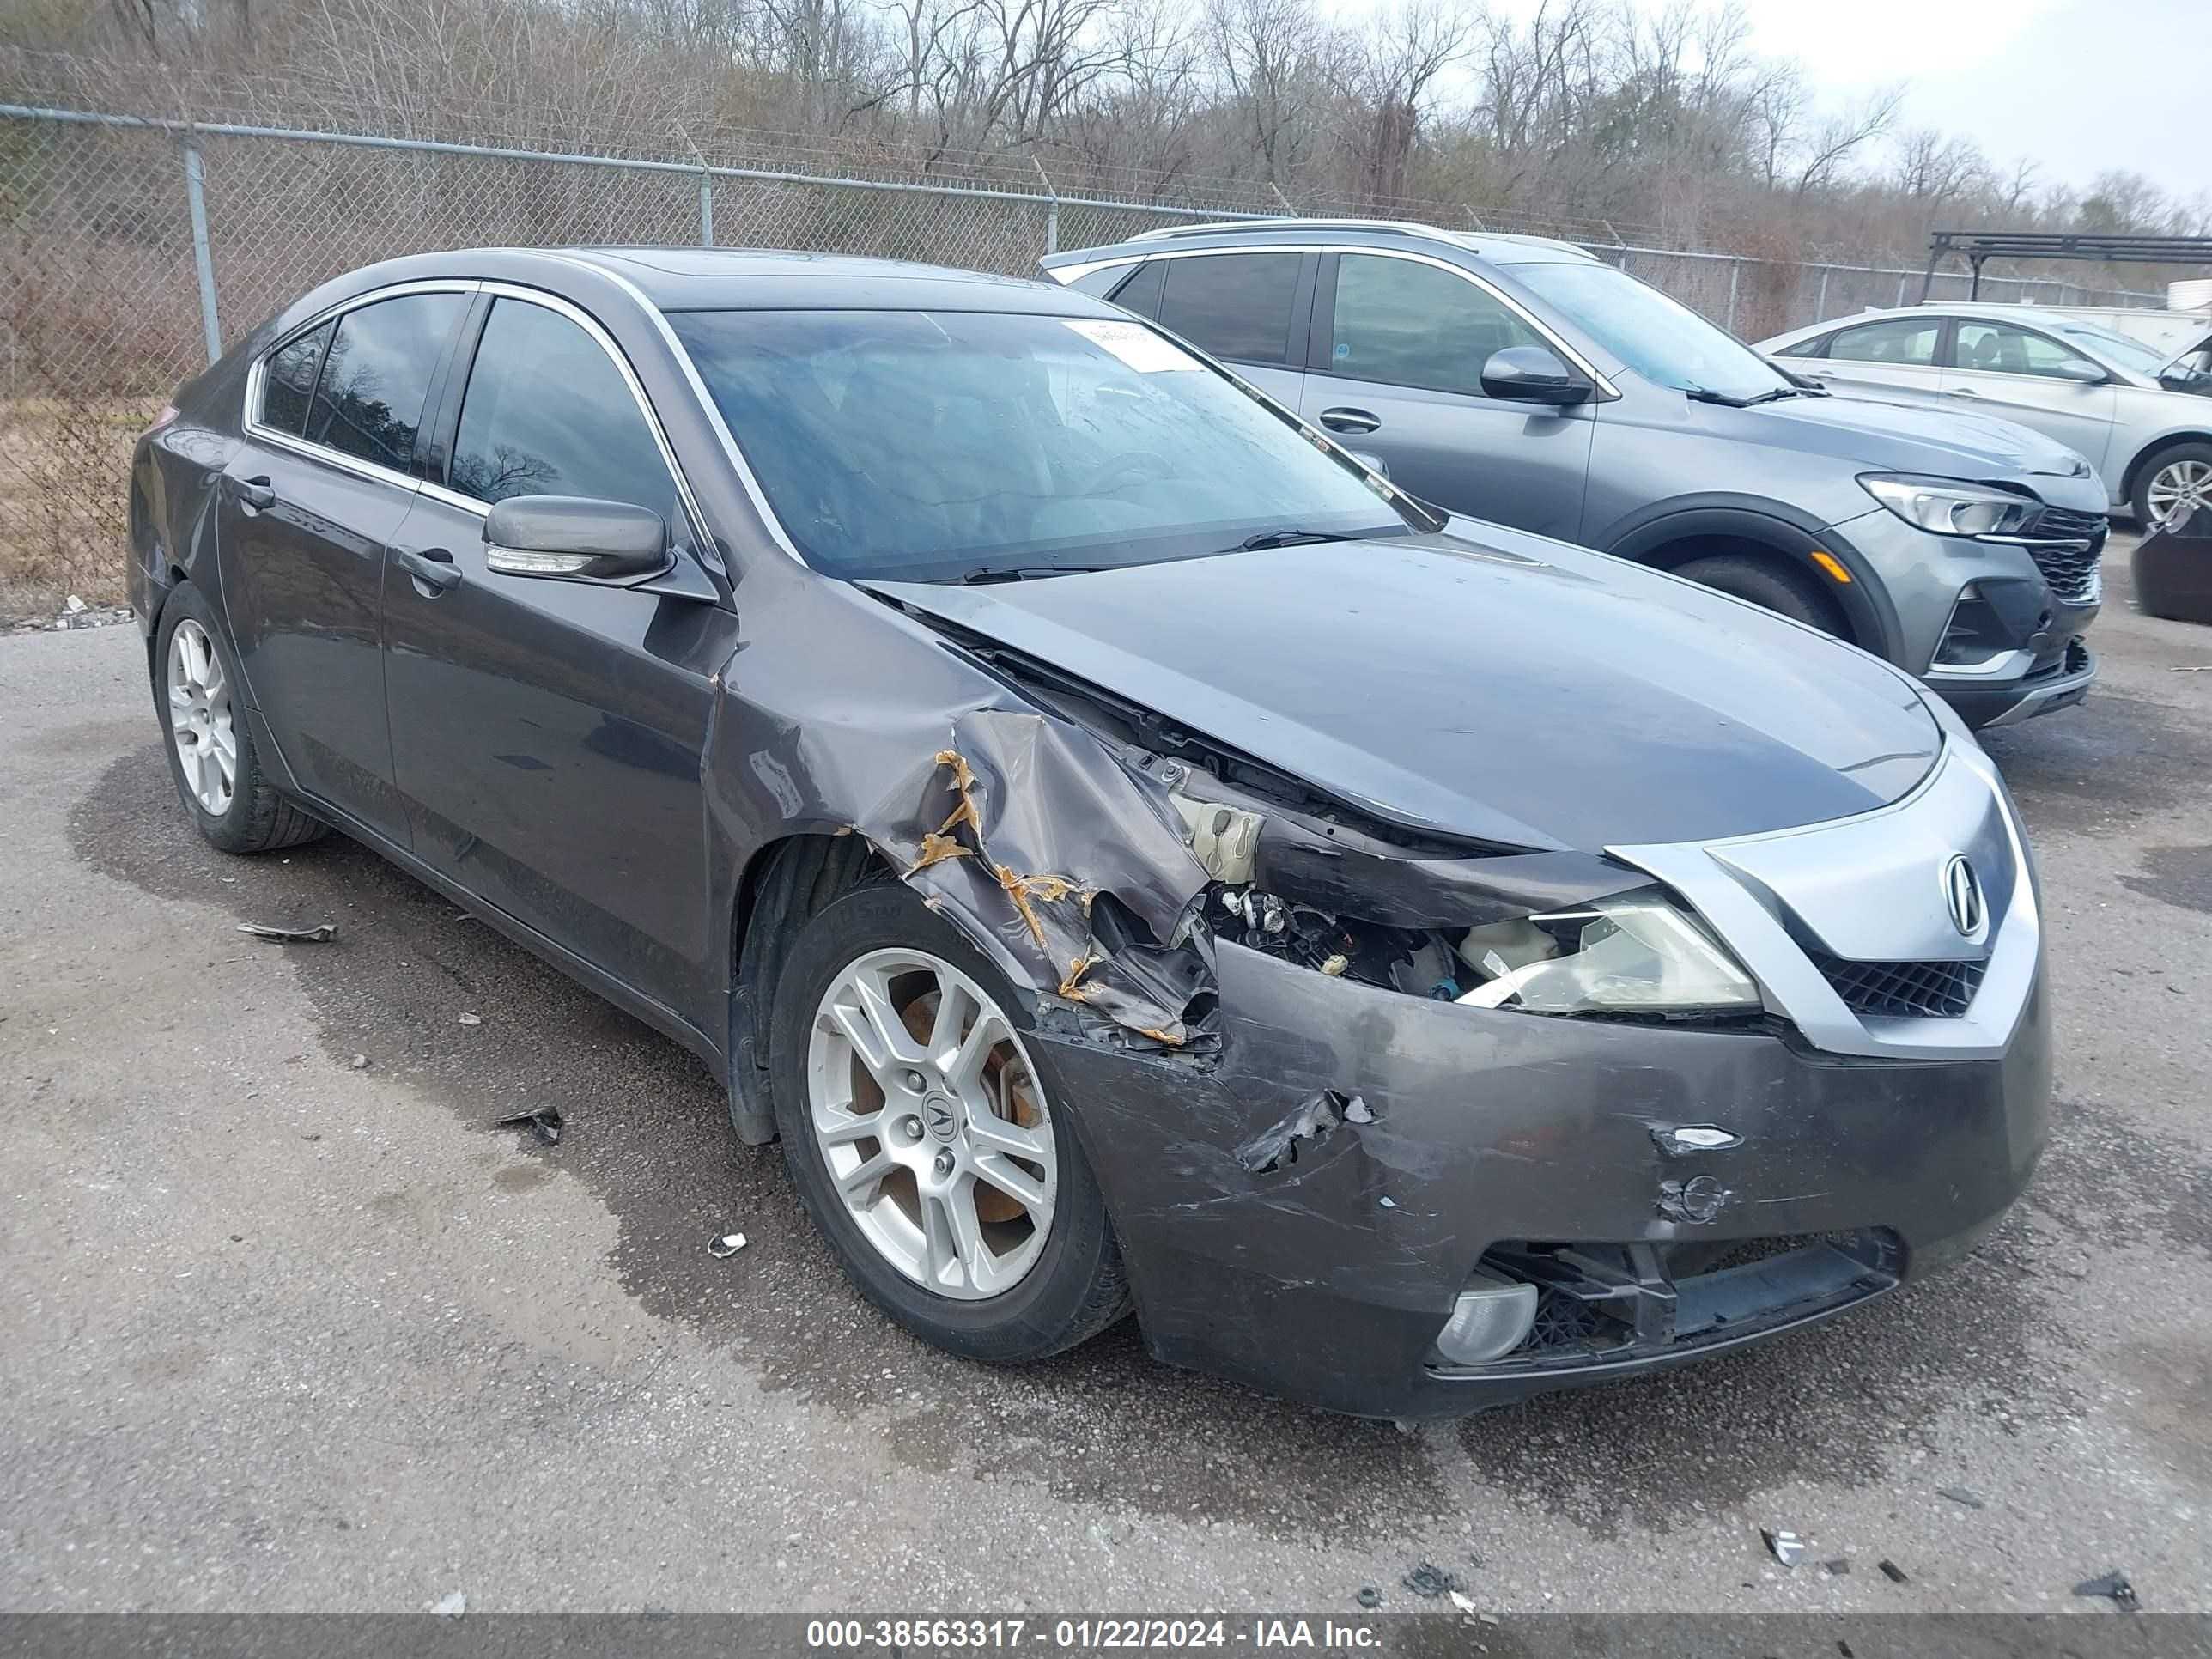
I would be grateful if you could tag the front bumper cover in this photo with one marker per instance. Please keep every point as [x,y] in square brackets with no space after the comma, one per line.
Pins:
[1326,1279]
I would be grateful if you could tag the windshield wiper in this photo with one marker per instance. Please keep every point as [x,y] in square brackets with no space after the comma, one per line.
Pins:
[1267,538]
[1022,572]
[1700,394]
[1779,392]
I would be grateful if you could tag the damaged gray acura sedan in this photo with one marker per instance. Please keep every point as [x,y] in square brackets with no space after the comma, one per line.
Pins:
[1133,858]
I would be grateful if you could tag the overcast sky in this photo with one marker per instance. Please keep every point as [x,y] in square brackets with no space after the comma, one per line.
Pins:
[2075,85]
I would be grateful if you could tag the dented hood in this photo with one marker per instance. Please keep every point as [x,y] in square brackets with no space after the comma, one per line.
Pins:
[1562,700]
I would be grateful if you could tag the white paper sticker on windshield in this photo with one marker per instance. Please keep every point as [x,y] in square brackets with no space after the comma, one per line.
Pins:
[1134,344]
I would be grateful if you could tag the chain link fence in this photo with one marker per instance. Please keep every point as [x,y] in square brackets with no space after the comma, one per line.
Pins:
[131,248]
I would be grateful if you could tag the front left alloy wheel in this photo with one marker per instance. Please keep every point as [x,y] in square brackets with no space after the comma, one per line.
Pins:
[928,1138]
[212,758]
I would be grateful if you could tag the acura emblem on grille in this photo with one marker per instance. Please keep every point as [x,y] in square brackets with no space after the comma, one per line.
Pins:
[1962,896]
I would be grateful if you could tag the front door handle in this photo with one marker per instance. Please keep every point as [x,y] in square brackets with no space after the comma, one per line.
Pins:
[1349,420]
[432,568]
[254,495]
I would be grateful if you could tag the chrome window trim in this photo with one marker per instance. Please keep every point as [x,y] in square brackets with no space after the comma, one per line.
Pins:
[758,497]
[256,373]
[1742,911]
[590,324]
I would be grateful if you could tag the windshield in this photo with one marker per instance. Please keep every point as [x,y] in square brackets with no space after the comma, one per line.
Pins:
[1661,339]
[926,446]
[2117,349]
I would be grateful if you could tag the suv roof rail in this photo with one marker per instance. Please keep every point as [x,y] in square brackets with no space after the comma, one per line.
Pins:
[1287,222]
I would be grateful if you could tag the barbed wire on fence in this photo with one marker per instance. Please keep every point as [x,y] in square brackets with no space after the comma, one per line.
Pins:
[132,245]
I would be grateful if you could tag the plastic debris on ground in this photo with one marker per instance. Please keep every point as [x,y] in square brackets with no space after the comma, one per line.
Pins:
[321,933]
[1891,1570]
[1840,1567]
[2115,1587]
[360,1062]
[1787,1548]
[1961,1496]
[544,1121]
[1430,1581]
[452,1606]
[472,1019]
[1370,1596]
[727,1245]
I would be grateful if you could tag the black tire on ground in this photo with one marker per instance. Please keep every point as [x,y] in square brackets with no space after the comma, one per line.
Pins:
[2139,497]
[258,819]
[1077,1288]
[1777,586]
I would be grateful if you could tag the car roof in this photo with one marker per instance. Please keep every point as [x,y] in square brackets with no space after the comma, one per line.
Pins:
[1498,247]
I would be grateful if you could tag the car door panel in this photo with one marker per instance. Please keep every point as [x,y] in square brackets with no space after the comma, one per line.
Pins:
[548,735]
[1518,464]
[1983,373]
[303,533]
[1893,356]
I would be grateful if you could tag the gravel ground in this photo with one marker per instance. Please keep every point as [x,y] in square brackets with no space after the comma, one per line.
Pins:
[286,1326]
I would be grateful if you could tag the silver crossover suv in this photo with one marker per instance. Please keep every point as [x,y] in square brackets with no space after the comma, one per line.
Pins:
[2142,415]
[1521,381]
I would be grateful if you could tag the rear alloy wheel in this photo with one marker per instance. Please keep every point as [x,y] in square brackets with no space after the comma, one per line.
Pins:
[925,1135]
[2174,485]
[211,754]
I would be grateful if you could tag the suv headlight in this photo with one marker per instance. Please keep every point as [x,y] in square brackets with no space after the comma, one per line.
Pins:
[1635,954]
[1950,508]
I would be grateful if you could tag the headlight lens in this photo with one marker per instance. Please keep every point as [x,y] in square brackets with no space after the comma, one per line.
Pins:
[1950,508]
[1629,955]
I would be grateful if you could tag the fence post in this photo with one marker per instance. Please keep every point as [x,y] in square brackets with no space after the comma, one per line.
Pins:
[1736,270]
[1821,303]
[1052,208]
[1901,290]
[202,261]
[706,207]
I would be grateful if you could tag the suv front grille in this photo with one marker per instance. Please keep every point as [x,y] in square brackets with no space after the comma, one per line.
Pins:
[1902,990]
[2073,573]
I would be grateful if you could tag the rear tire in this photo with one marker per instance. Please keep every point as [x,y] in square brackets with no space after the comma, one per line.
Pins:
[209,742]
[1064,1283]
[2184,470]
[1777,587]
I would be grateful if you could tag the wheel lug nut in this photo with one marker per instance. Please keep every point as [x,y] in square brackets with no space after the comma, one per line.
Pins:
[916,1081]
[910,1127]
[944,1165]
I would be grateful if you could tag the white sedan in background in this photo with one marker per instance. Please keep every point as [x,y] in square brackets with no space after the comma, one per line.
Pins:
[2143,419]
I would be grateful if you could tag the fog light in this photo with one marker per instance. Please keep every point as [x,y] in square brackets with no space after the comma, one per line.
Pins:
[1490,1319]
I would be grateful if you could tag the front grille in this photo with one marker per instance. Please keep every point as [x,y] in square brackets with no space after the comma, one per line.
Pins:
[1902,990]
[2074,572]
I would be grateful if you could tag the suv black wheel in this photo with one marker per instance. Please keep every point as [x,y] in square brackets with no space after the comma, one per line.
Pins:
[1777,587]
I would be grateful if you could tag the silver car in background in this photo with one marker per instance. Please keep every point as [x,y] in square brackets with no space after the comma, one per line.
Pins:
[2140,415]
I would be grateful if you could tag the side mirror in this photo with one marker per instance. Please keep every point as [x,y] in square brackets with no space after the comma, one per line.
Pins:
[2082,372]
[1531,374]
[1372,461]
[572,536]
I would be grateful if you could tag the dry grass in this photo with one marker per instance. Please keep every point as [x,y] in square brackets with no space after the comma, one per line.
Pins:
[65,495]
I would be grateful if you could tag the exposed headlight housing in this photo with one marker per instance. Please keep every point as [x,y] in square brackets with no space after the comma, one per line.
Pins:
[1634,954]
[1947,507]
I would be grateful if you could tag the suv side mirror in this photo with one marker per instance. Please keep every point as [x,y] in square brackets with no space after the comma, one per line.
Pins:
[2082,372]
[1531,374]
[575,535]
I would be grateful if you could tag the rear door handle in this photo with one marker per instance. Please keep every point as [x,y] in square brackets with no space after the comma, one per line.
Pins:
[1349,420]
[254,495]
[432,568]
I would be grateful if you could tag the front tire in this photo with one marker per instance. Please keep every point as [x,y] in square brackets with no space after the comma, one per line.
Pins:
[927,1137]
[2172,484]
[1777,587]
[212,759]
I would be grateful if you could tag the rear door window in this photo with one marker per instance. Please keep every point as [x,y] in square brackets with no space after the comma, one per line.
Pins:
[1994,349]
[1405,322]
[288,383]
[376,376]
[1906,342]
[547,413]
[1234,305]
